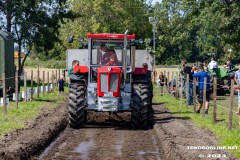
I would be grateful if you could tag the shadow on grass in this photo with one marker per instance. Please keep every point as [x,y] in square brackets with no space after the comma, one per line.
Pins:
[161,112]
[221,98]
[185,112]
[45,100]
[220,120]
[159,103]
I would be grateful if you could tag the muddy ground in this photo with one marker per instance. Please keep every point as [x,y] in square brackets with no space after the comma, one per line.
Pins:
[109,137]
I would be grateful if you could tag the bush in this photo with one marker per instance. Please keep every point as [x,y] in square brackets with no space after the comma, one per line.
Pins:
[52,63]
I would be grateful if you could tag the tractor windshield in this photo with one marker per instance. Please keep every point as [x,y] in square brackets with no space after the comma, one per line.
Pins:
[106,52]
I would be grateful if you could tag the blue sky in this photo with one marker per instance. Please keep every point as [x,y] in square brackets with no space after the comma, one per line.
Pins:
[154,1]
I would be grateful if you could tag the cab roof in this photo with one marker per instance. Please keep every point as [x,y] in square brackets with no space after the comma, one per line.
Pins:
[110,36]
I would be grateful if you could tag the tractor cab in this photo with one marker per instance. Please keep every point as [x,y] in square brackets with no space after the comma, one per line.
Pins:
[109,59]
[109,82]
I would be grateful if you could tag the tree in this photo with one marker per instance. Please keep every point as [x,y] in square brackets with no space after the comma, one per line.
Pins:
[107,16]
[34,24]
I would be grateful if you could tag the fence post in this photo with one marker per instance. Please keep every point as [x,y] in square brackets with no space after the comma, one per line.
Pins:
[204,96]
[16,87]
[59,73]
[4,94]
[214,99]
[25,87]
[231,105]
[171,90]
[43,82]
[56,78]
[194,95]
[168,82]
[52,81]
[181,91]
[38,82]
[48,82]
[31,85]
[187,90]
[176,93]
[165,82]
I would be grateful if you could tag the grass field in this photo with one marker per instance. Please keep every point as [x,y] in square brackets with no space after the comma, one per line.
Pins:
[17,118]
[220,129]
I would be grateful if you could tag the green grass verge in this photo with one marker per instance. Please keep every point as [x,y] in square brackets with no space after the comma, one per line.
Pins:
[17,118]
[220,129]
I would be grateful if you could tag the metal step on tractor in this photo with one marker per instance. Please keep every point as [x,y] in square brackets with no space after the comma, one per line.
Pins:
[117,83]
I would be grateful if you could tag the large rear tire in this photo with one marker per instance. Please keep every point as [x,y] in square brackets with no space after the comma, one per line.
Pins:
[77,107]
[140,109]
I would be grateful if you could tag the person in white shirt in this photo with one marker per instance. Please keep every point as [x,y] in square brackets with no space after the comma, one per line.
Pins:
[213,64]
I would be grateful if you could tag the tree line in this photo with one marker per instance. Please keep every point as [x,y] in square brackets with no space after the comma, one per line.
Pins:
[194,30]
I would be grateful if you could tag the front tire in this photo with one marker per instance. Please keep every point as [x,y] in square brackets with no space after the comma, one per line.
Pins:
[140,115]
[77,107]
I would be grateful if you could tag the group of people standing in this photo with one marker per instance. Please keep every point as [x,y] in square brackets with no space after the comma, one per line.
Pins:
[200,73]
[193,71]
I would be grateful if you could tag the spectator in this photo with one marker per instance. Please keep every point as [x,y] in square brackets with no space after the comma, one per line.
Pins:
[201,75]
[108,54]
[205,67]
[61,84]
[229,65]
[225,65]
[187,70]
[213,64]
[194,70]
[162,80]
[237,80]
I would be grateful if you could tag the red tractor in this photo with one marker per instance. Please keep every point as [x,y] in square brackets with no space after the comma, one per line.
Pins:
[110,82]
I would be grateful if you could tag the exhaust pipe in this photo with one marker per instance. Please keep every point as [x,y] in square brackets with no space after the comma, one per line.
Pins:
[125,57]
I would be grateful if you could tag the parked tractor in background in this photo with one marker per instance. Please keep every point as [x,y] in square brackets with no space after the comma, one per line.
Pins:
[224,77]
[7,62]
[110,87]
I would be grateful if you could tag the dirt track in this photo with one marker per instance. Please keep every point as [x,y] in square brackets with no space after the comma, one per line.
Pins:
[109,137]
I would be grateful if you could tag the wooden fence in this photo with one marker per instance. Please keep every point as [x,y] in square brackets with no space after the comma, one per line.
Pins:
[177,91]
[44,86]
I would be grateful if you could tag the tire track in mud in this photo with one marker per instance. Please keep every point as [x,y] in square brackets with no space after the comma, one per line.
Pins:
[108,137]
[110,141]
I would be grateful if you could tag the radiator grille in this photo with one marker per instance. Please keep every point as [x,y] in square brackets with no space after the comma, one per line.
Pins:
[104,82]
[113,82]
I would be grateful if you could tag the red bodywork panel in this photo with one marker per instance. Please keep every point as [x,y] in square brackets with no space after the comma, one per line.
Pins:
[140,70]
[110,36]
[108,70]
[80,69]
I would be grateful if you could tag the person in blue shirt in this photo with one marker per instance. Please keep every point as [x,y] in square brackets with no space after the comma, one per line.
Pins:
[201,75]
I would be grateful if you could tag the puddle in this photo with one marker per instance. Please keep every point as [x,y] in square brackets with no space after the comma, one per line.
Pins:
[141,152]
[119,143]
[47,149]
[85,147]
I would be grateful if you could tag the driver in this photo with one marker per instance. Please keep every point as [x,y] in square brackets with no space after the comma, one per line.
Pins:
[107,56]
